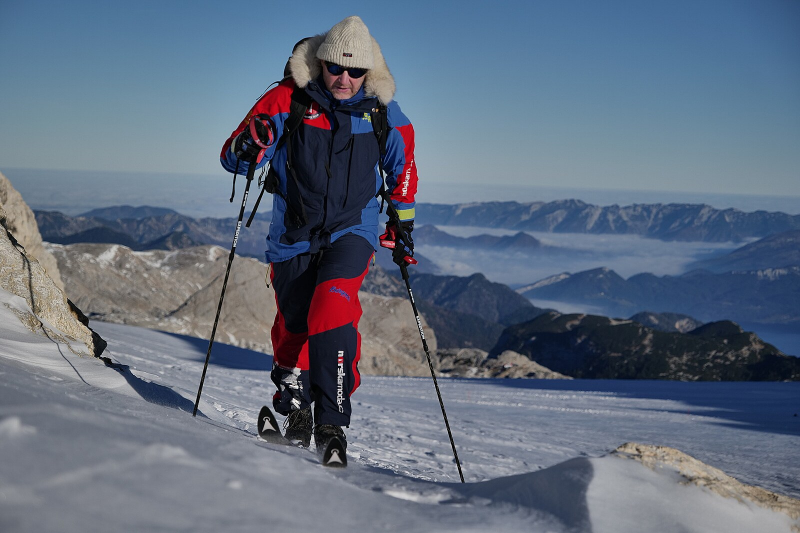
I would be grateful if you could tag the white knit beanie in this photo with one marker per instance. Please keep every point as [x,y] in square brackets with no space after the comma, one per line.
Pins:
[348,44]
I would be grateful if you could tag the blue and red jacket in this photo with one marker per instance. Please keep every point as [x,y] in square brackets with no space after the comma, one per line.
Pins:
[335,157]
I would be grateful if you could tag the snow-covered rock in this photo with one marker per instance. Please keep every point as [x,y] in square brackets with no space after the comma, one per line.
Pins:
[694,472]
[40,304]
[21,222]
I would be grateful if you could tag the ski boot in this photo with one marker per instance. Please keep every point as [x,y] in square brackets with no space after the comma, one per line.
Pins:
[297,427]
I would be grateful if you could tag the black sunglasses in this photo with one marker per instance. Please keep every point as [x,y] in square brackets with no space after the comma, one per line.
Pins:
[338,70]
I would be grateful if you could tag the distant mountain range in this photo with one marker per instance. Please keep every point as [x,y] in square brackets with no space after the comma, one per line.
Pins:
[670,222]
[103,234]
[151,228]
[469,312]
[178,292]
[128,211]
[156,228]
[756,283]
[472,312]
[520,242]
[596,347]
[465,312]
[770,296]
[775,251]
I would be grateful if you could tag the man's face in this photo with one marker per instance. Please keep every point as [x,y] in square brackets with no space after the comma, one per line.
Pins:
[343,86]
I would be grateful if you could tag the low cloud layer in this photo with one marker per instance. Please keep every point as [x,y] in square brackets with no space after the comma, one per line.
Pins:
[569,252]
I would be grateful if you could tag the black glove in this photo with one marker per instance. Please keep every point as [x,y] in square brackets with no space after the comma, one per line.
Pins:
[256,137]
[399,241]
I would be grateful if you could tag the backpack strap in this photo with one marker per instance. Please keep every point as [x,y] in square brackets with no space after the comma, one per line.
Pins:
[380,125]
[300,103]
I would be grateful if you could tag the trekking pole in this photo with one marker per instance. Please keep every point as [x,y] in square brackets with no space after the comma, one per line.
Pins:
[251,171]
[404,271]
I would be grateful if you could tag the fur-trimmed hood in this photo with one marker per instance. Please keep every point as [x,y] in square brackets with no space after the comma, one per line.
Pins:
[304,67]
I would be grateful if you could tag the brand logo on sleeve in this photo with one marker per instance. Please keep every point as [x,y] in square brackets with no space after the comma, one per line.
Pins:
[407,178]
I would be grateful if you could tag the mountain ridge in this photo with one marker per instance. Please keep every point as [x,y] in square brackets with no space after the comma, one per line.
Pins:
[768,296]
[597,347]
[779,250]
[669,222]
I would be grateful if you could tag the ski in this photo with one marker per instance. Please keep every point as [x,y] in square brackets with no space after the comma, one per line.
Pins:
[334,455]
[268,428]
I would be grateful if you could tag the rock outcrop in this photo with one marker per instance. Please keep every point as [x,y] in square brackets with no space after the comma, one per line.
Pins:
[698,473]
[21,222]
[46,309]
[475,363]
[670,322]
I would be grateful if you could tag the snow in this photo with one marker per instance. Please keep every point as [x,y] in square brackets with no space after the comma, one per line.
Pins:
[107,258]
[214,253]
[545,282]
[12,427]
[628,498]
[85,447]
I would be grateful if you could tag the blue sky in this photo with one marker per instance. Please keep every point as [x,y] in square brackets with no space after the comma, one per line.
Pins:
[699,96]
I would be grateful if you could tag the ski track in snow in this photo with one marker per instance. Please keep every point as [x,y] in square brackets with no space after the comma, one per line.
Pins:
[506,432]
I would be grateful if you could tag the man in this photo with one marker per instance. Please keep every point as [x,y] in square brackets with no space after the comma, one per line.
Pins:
[324,228]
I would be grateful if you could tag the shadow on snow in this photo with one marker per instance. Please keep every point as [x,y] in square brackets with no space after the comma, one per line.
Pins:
[770,407]
[226,355]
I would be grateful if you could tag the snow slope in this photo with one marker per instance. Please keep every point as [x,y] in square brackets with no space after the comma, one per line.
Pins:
[84,447]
